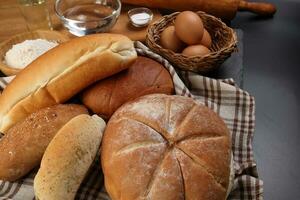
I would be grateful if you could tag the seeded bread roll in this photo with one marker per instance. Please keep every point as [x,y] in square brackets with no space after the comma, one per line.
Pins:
[145,76]
[62,72]
[22,148]
[166,147]
[68,158]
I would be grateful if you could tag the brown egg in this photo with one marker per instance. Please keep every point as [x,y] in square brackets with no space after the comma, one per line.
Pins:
[196,50]
[206,39]
[189,27]
[169,40]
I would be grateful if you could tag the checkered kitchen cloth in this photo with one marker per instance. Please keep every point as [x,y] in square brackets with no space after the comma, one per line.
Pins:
[234,105]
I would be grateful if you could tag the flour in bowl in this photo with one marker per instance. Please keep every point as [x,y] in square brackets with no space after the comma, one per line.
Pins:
[22,54]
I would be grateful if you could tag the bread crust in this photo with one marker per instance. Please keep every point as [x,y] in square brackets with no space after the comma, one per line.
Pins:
[62,72]
[68,158]
[22,148]
[145,76]
[166,147]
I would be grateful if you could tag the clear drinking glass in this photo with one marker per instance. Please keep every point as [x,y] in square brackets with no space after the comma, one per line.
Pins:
[36,14]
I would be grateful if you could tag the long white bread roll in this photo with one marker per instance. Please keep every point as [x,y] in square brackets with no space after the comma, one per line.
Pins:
[68,158]
[62,72]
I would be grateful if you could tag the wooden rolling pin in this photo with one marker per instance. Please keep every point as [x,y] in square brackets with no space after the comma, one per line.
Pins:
[225,9]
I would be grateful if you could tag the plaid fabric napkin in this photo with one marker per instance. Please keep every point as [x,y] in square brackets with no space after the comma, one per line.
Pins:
[234,105]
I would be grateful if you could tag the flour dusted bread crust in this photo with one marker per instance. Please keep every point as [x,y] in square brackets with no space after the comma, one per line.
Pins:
[22,148]
[62,72]
[145,76]
[166,147]
[68,158]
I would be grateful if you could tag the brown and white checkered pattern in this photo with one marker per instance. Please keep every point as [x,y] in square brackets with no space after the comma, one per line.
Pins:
[234,105]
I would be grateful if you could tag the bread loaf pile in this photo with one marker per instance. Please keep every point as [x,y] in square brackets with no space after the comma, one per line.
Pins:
[62,138]
[156,146]
[62,72]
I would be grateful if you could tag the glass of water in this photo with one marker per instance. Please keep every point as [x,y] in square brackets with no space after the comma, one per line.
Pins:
[36,14]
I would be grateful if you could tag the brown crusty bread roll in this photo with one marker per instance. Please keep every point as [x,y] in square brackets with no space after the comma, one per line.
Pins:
[68,158]
[62,72]
[145,76]
[22,148]
[166,147]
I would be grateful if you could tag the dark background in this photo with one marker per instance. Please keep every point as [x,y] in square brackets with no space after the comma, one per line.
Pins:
[272,76]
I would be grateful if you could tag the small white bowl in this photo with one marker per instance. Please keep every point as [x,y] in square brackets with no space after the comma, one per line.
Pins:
[140,17]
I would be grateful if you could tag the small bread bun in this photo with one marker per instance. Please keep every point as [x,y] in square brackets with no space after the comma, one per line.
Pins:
[68,158]
[145,76]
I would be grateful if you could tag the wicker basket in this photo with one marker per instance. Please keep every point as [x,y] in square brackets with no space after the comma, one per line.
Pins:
[7,44]
[224,42]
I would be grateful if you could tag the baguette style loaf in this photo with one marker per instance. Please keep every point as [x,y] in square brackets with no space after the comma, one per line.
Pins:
[22,148]
[62,72]
[68,158]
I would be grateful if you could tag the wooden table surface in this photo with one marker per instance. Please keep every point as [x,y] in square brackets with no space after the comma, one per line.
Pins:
[12,21]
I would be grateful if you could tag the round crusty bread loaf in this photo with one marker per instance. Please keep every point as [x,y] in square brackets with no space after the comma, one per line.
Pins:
[22,148]
[62,72]
[145,76]
[68,158]
[166,147]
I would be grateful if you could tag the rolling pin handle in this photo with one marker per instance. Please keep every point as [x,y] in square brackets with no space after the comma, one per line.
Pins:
[262,9]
